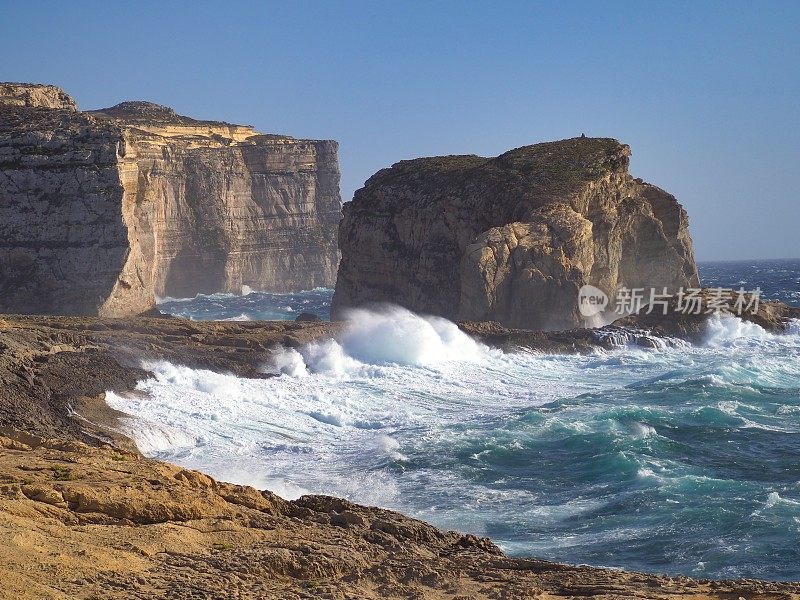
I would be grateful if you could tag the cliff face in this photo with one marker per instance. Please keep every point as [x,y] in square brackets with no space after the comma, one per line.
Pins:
[101,212]
[511,238]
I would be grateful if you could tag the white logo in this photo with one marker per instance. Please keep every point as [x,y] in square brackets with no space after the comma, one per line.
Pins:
[591,301]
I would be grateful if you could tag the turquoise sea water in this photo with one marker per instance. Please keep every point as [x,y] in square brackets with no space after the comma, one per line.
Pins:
[682,461]
[255,305]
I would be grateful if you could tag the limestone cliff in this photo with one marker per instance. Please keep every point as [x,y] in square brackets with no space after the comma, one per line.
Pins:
[102,211]
[511,238]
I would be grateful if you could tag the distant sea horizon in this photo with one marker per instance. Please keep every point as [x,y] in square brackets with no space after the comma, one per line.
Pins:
[745,260]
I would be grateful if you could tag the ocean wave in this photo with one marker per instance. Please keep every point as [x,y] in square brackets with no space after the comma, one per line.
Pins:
[152,438]
[390,336]
[794,326]
[727,329]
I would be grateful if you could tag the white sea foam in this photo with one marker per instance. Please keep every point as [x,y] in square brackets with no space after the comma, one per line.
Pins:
[390,336]
[286,361]
[396,335]
[727,329]
[336,405]
[642,430]
[240,317]
[151,437]
[793,327]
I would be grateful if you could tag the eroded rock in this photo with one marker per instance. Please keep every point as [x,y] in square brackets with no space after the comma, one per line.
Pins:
[145,529]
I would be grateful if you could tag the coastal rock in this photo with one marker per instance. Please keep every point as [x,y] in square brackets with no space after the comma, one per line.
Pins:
[103,211]
[513,238]
[308,317]
[98,522]
[53,366]
[663,326]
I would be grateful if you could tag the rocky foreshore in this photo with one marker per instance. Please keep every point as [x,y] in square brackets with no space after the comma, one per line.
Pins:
[83,515]
[99,522]
[52,366]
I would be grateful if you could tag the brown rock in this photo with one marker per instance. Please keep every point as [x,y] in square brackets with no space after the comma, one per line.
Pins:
[33,95]
[51,366]
[511,269]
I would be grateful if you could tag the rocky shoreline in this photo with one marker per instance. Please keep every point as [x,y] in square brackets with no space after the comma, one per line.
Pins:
[86,516]
[99,522]
[54,366]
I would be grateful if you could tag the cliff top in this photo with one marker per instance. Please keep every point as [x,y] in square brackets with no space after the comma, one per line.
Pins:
[535,173]
[149,117]
[35,95]
[580,157]
[144,112]
[574,156]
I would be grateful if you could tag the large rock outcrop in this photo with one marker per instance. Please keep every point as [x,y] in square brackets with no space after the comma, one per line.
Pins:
[512,238]
[102,211]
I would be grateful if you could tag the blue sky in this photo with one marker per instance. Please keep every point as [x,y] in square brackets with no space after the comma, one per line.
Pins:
[707,94]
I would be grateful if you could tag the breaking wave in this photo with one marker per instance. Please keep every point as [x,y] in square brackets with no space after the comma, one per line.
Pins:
[389,336]
[728,329]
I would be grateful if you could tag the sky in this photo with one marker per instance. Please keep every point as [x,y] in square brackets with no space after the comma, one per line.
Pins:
[707,94]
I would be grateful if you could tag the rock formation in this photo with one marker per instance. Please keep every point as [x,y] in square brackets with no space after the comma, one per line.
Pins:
[35,96]
[102,211]
[512,238]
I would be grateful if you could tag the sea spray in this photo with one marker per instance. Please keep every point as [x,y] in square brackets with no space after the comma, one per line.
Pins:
[390,335]
[722,330]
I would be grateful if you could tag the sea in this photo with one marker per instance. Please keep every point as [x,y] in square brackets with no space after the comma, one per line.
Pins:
[682,460]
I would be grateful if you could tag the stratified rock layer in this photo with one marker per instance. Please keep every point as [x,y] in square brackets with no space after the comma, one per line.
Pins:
[101,212]
[512,238]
